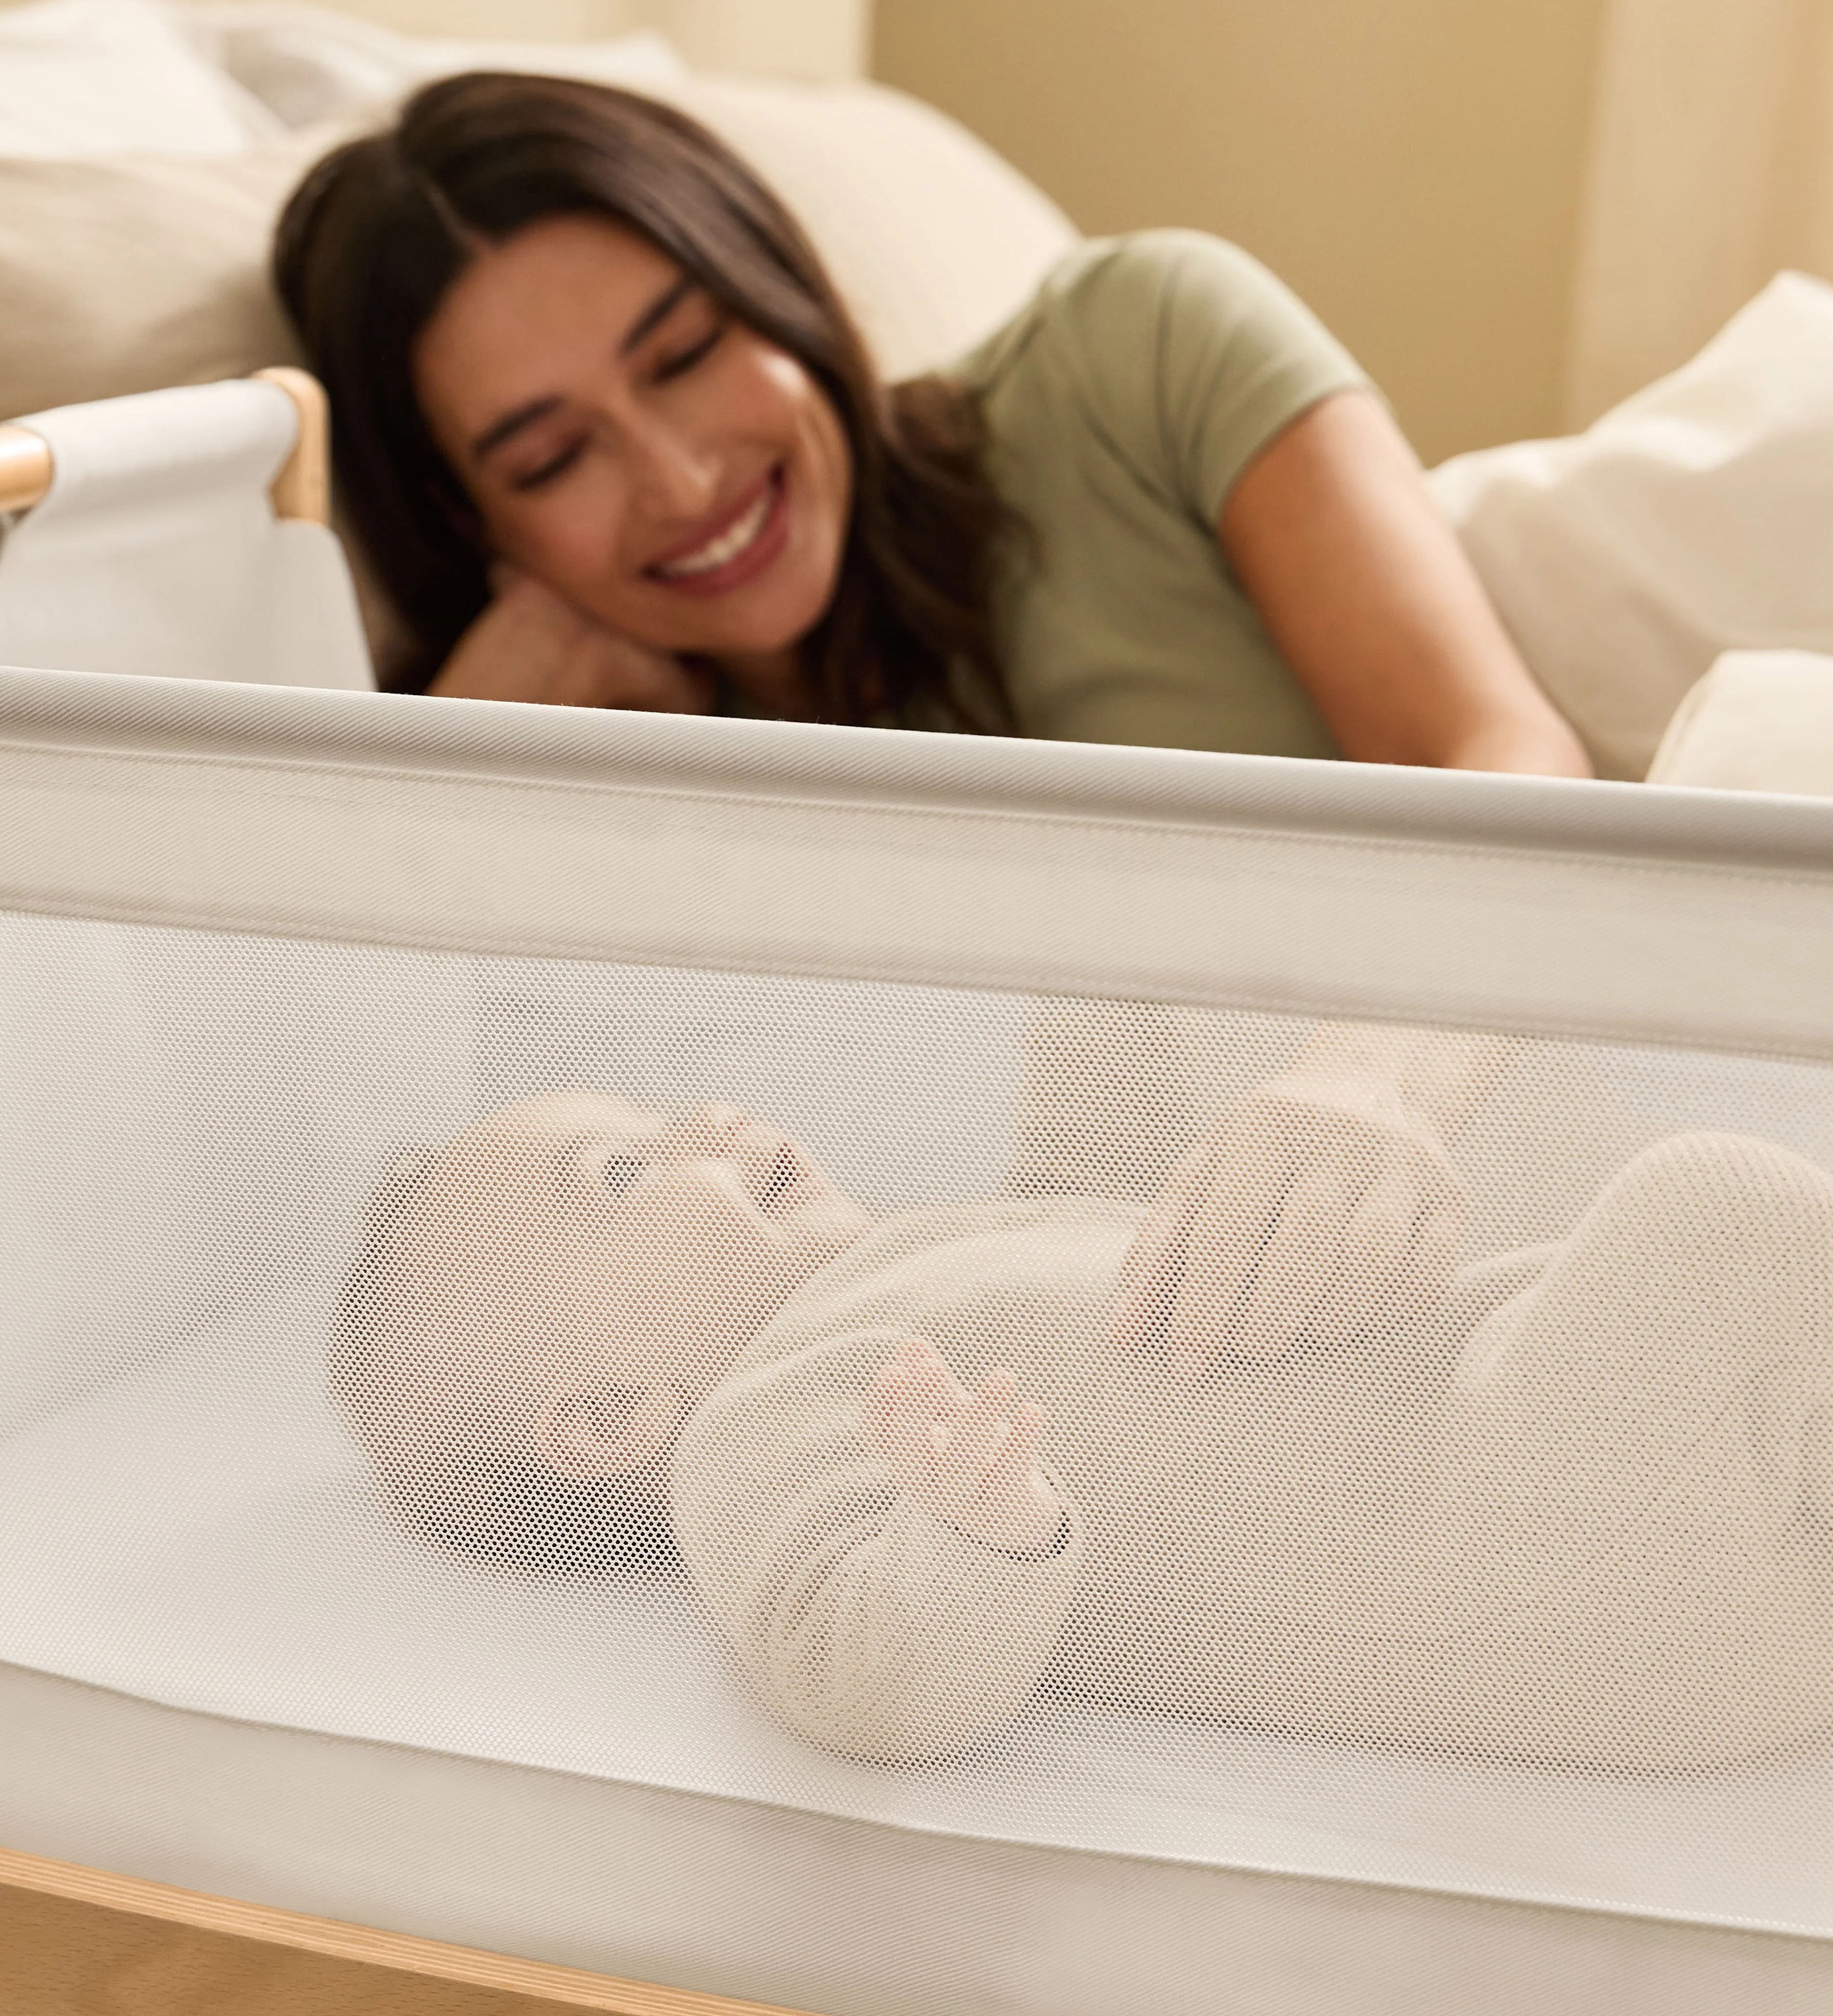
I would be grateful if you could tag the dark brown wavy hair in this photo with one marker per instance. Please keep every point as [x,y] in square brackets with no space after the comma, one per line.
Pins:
[379,230]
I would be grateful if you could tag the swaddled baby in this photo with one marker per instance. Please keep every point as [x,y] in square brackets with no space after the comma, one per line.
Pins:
[1255,1454]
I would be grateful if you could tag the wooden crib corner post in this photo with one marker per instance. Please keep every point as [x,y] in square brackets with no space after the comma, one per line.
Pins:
[303,488]
[25,468]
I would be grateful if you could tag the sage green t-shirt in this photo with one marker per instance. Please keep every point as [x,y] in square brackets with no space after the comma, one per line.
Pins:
[1122,403]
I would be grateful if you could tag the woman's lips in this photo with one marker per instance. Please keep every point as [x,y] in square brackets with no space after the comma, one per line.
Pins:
[740,550]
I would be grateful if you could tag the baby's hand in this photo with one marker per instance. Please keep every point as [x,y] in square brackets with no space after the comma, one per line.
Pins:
[957,1454]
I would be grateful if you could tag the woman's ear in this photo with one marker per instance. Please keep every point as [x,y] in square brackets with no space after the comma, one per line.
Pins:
[607,1429]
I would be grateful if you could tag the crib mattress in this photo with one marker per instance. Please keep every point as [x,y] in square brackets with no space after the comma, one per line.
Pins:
[226,1670]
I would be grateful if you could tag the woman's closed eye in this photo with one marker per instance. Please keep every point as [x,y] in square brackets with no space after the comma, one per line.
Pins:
[682,362]
[555,465]
[676,365]
[619,1172]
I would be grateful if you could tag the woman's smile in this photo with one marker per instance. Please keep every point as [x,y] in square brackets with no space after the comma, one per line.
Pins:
[744,540]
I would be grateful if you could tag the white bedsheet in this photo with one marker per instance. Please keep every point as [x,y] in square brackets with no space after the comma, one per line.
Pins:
[201,1534]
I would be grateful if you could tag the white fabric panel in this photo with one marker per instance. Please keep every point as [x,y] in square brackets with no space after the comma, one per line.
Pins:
[1521,903]
[156,550]
[314,623]
[1759,721]
[1692,520]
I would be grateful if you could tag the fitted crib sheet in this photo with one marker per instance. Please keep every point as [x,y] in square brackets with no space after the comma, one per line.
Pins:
[201,1535]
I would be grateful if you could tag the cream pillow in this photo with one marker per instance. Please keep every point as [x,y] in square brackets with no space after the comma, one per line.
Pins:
[84,77]
[124,275]
[1692,520]
[127,274]
[309,64]
[1759,721]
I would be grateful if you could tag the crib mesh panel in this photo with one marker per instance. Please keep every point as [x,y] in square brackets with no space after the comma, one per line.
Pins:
[631,1370]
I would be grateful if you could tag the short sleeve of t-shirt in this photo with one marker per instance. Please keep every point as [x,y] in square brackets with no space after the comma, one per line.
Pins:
[1122,404]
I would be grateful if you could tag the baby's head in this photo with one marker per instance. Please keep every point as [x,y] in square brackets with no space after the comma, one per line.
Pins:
[541,1303]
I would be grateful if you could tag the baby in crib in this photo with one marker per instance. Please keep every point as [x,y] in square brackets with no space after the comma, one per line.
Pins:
[1259,1453]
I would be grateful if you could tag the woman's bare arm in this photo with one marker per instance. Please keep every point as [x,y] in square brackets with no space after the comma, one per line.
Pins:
[1365,589]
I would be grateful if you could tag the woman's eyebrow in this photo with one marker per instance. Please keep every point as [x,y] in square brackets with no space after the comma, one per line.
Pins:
[513,422]
[652,317]
[658,312]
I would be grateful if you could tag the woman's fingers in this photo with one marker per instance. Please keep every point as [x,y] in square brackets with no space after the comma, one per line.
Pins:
[1200,1245]
[1315,1214]
[1276,1295]
[530,644]
[1251,1184]
[1154,1265]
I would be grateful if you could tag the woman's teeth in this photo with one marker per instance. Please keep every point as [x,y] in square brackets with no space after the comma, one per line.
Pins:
[728,545]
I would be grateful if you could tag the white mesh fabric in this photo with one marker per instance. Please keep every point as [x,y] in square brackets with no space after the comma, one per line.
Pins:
[1436,1481]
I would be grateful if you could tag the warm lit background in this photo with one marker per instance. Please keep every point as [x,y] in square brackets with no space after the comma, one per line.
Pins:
[1414,167]
[1514,211]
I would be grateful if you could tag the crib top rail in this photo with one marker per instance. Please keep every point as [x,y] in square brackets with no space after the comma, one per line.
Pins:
[302,490]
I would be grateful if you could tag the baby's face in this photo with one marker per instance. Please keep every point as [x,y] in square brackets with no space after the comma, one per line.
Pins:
[584,1264]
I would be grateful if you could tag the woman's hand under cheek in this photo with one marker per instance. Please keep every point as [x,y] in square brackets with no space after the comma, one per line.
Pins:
[531,645]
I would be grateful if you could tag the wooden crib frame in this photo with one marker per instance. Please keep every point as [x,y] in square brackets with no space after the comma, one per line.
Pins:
[568,1988]
[302,489]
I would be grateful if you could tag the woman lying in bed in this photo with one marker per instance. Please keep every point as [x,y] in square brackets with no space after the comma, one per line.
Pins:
[611,439]
[1259,1453]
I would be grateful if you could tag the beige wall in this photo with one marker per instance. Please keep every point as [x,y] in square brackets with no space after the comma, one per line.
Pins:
[1412,166]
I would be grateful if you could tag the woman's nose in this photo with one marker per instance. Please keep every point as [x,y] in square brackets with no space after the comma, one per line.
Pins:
[671,474]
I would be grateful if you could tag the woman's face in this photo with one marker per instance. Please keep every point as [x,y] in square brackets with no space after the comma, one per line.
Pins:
[574,1255]
[627,442]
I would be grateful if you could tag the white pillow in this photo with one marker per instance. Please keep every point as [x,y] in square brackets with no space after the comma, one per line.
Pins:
[1759,721]
[127,274]
[114,77]
[307,64]
[1694,519]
